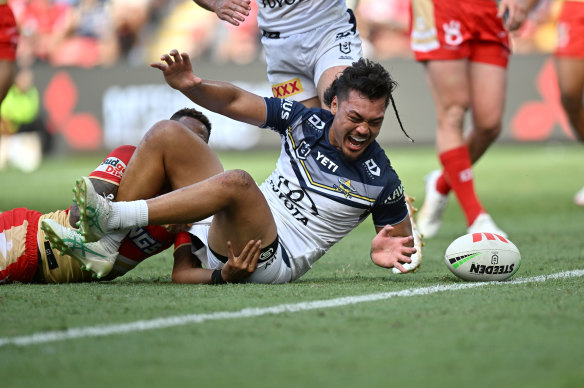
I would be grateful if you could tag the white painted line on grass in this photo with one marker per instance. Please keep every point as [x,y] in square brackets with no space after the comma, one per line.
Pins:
[160,323]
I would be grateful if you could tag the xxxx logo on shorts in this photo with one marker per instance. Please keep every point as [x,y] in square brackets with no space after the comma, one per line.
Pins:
[288,88]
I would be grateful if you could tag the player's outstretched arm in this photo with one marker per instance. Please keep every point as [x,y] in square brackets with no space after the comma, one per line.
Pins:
[187,268]
[388,250]
[232,11]
[220,97]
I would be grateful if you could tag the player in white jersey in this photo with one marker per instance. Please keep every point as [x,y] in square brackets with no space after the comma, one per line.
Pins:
[330,176]
[307,43]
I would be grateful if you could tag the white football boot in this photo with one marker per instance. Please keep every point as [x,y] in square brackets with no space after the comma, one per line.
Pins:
[94,210]
[484,223]
[418,243]
[92,256]
[430,215]
[579,197]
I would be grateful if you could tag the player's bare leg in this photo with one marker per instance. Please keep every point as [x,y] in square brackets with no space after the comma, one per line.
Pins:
[326,79]
[488,84]
[451,86]
[172,155]
[571,82]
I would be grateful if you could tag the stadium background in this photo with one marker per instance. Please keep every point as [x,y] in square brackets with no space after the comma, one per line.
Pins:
[97,91]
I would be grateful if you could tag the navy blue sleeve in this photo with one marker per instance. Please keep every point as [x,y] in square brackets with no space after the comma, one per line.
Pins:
[390,207]
[281,113]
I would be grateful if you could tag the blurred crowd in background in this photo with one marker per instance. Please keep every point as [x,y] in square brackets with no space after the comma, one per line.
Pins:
[105,33]
[90,33]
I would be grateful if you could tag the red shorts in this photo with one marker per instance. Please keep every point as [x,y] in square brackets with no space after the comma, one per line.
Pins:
[8,34]
[458,29]
[18,245]
[571,30]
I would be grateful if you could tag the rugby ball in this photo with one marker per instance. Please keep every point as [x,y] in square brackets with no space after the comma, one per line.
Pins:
[482,257]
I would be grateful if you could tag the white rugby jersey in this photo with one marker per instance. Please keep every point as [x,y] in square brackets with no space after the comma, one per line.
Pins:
[316,196]
[289,17]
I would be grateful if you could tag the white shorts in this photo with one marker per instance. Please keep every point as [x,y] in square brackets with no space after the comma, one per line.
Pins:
[296,63]
[273,271]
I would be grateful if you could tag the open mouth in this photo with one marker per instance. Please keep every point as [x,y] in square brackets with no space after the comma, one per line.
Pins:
[356,143]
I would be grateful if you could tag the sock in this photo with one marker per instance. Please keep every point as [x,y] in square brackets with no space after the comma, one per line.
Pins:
[127,215]
[458,172]
[111,242]
[442,185]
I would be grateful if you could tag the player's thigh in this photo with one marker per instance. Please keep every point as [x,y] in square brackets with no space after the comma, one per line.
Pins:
[488,85]
[169,157]
[326,79]
[250,218]
[449,84]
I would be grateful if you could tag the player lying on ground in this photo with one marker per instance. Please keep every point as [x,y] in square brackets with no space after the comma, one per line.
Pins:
[330,176]
[32,259]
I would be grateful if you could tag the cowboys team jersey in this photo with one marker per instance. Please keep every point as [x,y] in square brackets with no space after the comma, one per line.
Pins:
[286,17]
[316,196]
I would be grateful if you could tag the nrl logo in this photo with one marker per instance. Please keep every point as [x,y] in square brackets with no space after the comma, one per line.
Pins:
[345,47]
[303,150]
[345,187]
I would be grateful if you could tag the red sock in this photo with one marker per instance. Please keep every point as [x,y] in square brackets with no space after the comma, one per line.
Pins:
[458,172]
[442,185]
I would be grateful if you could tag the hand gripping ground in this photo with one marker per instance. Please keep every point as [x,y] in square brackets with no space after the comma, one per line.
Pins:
[94,210]
[92,256]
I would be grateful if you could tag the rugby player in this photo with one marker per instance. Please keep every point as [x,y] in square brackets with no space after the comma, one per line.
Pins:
[569,58]
[27,256]
[331,175]
[464,47]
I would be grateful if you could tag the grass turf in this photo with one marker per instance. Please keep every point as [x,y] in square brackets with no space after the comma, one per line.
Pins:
[507,335]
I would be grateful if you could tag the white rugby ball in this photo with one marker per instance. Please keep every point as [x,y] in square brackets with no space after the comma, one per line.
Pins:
[482,257]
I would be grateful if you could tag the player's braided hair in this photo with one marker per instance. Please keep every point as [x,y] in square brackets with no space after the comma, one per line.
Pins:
[369,79]
[195,114]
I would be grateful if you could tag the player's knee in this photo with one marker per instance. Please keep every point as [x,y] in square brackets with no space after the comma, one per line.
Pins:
[489,131]
[453,116]
[238,181]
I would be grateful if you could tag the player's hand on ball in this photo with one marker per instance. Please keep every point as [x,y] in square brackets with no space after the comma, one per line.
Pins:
[177,70]
[241,267]
[390,252]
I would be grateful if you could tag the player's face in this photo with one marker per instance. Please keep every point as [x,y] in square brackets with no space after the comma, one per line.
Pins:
[196,126]
[356,124]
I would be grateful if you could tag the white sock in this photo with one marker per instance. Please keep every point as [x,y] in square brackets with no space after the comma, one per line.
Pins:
[111,242]
[126,215]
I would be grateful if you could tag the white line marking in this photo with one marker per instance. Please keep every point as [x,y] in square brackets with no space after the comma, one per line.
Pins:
[160,323]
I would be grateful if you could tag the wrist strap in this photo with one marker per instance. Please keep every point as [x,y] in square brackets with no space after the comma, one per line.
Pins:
[216,277]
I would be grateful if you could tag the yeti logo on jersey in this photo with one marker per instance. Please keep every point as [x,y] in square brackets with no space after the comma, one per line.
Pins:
[327,162]
[394,197]
[345,47]
[372,167]
[287,88]
[303,150]
[297,201]
[144,241]
[316,122]
[345,187]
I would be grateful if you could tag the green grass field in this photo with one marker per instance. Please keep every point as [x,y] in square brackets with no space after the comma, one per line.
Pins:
[510,334]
